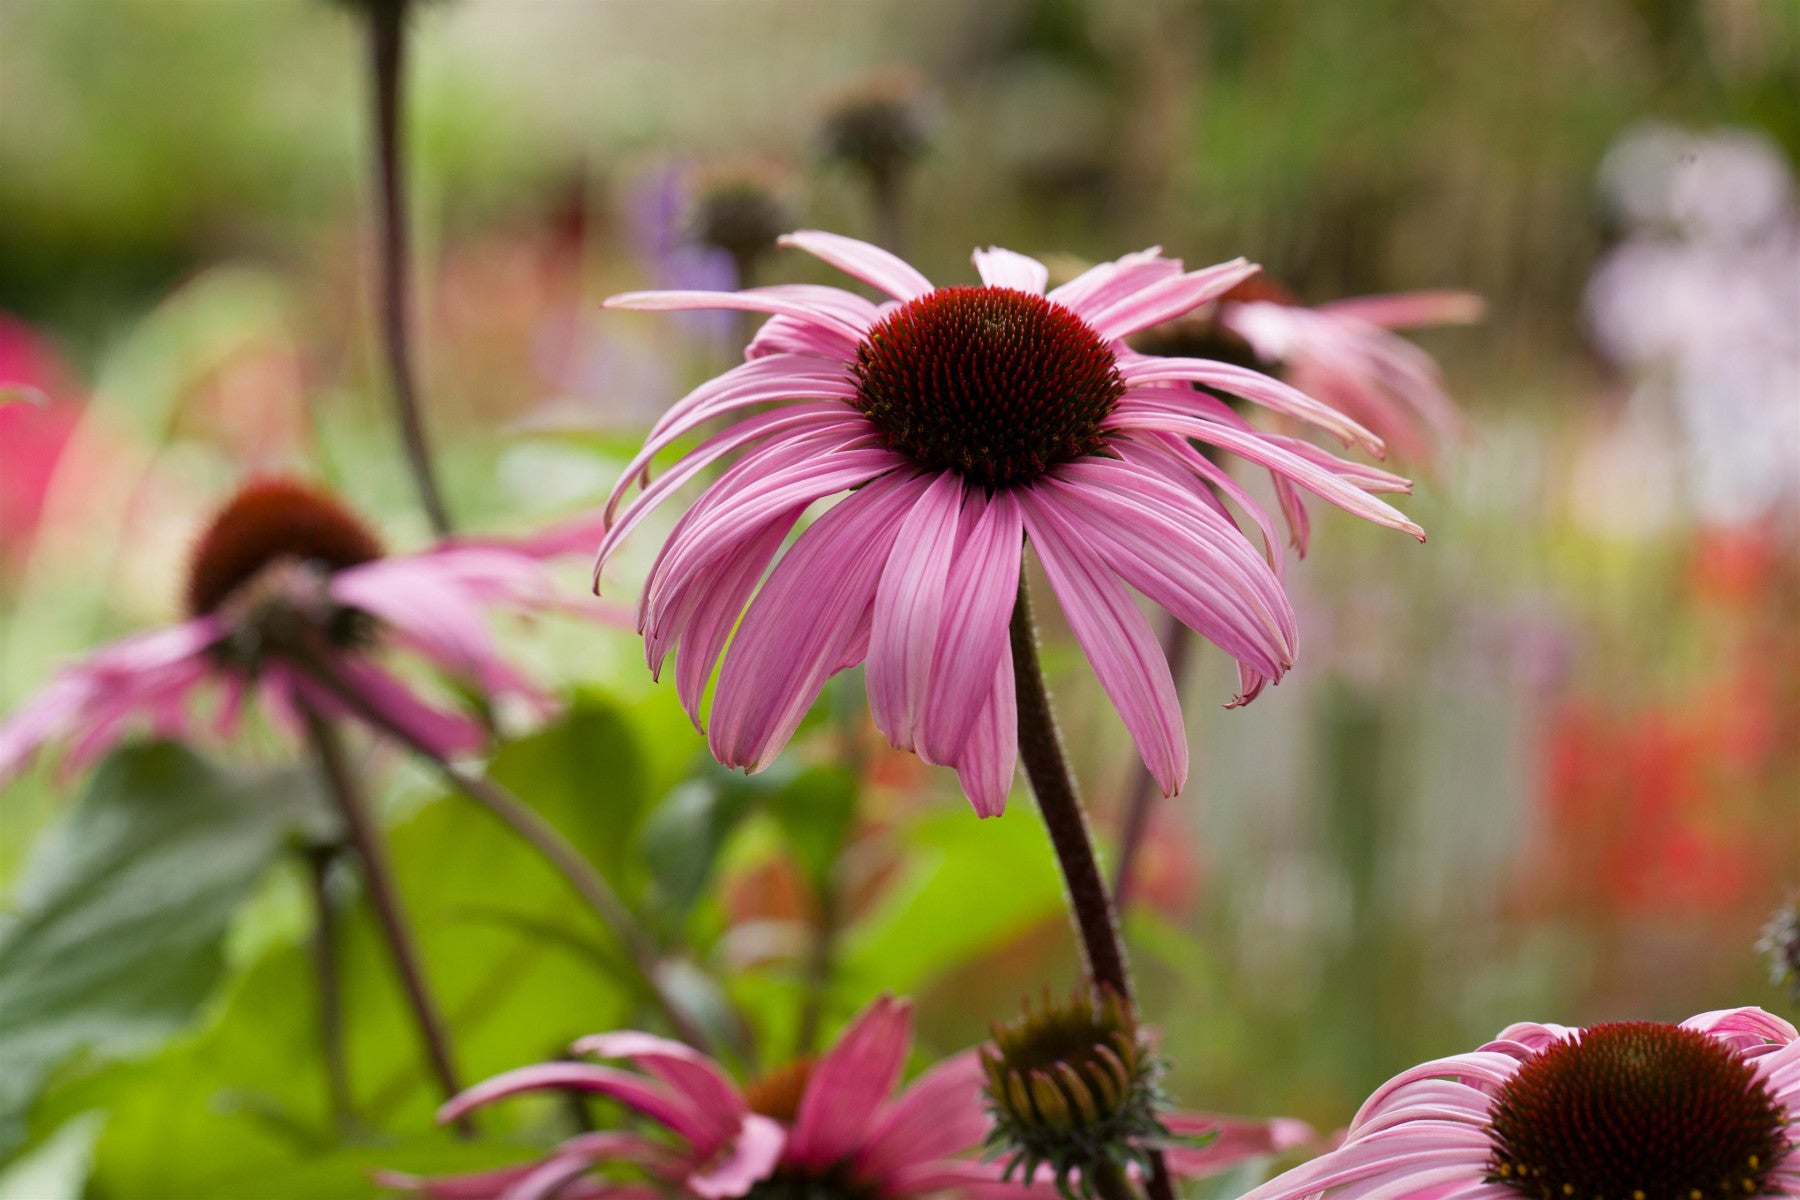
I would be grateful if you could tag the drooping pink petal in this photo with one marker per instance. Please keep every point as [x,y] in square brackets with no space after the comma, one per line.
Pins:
[1115,637]
[987,760]
[972,631]
[938,1117]
[653,1100]
[848,1085]
[1166,298]
[908,603]
[445,734]
[1211,578]
[1137,413]
[871,264]
[1253,386]
[796,631]
[704,623]
[787,335]
[1007,269]
[683,1068]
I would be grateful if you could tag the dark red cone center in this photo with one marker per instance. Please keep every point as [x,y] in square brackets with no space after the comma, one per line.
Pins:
[1636,1111]
[269,521]
[995,384]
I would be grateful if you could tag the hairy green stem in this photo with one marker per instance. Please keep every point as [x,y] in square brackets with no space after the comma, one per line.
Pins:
[1047,767]
[327,973]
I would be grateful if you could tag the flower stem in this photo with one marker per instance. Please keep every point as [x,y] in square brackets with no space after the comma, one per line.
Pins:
[1047,767]
[1040,747]
[523,820]
[326,971]
[1110,1181]
[366,839]
[387,60]
[1142,793]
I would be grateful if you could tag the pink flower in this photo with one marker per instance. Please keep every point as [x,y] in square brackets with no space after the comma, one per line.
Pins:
[815,1128]
[1345,354]
[281,556]
[962,420]
[1703,1109]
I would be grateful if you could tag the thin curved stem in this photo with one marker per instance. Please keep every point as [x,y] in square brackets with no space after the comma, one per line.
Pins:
[327,973]
[523,820]
[1047,767]
[387,62]
[359,823]
[1142,792]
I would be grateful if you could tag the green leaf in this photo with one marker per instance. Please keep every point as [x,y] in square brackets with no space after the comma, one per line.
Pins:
[972,886]
[238,1108]
[123,908]
[816,811]
[683,835]
[586,774]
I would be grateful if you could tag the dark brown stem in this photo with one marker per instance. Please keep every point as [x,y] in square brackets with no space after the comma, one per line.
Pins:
[385,897]
[387,60]
[1112,1183]
[1047,767]
[326,972]
[1143,792]
[524,820]
[1040,748]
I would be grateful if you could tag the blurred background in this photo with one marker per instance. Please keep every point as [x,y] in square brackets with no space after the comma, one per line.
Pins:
[1546,766]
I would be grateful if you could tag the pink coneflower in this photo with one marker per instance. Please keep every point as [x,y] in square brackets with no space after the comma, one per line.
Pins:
[282,562]
[830,1127]
[962,420]
[1704,1110]
[1346,354]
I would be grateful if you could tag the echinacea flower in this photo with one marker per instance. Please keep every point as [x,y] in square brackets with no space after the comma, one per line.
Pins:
[1703,1110]
[825,1129]
[1346,354]
[962,420]
[284,567]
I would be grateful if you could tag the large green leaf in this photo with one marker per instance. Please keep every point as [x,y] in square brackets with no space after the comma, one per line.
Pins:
[518,964]
[122,910]
[971,886]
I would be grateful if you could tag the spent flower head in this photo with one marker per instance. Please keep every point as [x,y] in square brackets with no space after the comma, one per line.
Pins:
[1780,946]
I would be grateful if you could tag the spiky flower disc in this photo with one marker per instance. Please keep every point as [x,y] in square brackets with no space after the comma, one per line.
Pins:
[1636,1111]
[1073,1085]
[270,521]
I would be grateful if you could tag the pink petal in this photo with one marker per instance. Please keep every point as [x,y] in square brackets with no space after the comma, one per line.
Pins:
[908,602]
[1233,1140]
[848,1085]
[1145,414]
[1403,310]
[989,758]
[1253,386]
[817,311]
[787,335]
[1112,632]
[972,631]
[939,1116]
[871,264]
[704,624]
[653,1100]
[752,1157]
[799,628]
[1099,287]
[1167,298]
[691,1073]
[1005,269]
[445,734]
